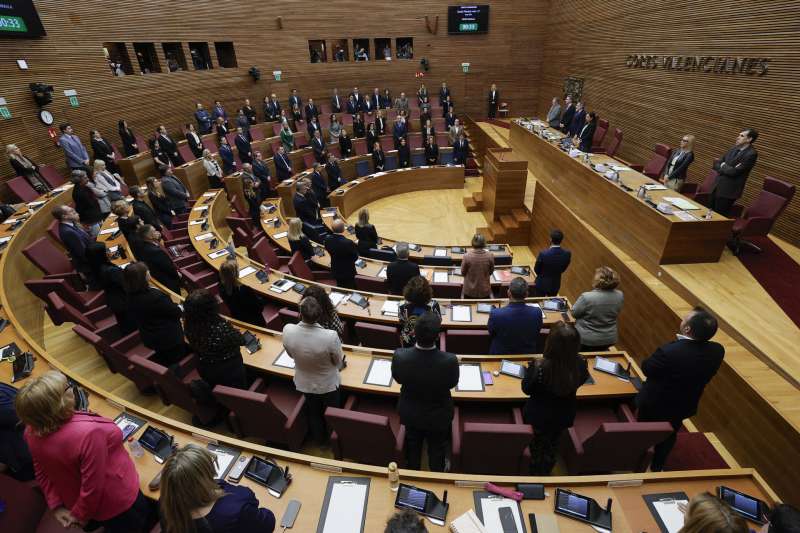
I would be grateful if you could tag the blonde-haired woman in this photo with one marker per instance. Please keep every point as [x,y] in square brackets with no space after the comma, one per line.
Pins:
[192,501]
[596,311]
[26,168]
[674,175]
[213,170]
[80,461]
[298,242]
[366,233]
[709,514]
[106,181]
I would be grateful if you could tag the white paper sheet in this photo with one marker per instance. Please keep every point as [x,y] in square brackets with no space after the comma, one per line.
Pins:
[284,360]
[204,236]
[497,277]
[604,364]
[280,235]
[380,373]
[197,222]
[282,285]
[670,514]
[683,215]
[345,508]
[390,307]
[440,252]
[681,203]
[218,253]
[338,297]
[108,231]
[654,187]
[200,208]
[469,378]
[223,461]
[490,507]
[246,271]
[382,274]
[328,214]
[209,194]
[440,277]
[462,313]
[5,239]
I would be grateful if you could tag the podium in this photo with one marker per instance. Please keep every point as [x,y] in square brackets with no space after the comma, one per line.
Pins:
[502,199]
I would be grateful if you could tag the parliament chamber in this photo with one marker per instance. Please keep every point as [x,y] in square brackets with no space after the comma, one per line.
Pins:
[324,206]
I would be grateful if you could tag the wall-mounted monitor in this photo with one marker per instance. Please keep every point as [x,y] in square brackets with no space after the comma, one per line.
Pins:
[467,19]
[19,18]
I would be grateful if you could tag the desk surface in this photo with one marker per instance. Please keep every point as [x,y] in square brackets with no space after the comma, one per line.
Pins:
[647,234]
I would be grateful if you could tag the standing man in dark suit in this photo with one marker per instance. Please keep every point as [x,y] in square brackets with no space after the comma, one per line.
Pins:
[249,112]
[431,152]
[567,116]
[380,123]
[376,99]
[272,109]
[359,99]
[444,92]
[401,270]
[550,264]
[142,209]
[219,112]
[283,165]
[677,373]
[305,203]
[320,186]
[169,146]
[318,145]
[262,175]
[584,138]
[158,262]
[352,105]
[426,375]
[359,129]
[194,141]
[73,236]
[203,119]
[295,100]
[460,150]
[734,169]
[344,254]
[244,147]
[337,102]
[578,120]
[515,328]
[345,145]
[399,131]
[494,100]
[334,172]
[311,110]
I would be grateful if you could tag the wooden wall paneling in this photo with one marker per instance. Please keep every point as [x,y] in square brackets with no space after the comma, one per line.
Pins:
[70,57]
[591,40]
[747,405]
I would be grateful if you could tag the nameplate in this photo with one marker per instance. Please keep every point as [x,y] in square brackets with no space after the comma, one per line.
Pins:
[626,483]
[469,483]
[326,468]
[203,438]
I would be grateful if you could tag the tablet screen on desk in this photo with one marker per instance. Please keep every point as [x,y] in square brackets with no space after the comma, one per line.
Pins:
[259,470]
[512,369]
[572,504]
[411,497]
[747,506]
[606,365]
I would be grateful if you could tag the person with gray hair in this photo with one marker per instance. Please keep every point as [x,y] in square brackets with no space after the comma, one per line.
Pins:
[554,115]
[514,329]
[344,254]
[401,270]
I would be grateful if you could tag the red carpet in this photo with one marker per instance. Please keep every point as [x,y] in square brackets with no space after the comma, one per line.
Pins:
[778,273]
[692,451]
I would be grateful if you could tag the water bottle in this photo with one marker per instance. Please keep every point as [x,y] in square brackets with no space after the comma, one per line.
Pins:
[709,215]
[136,448]
[586,158]
[641,192]
[394,477]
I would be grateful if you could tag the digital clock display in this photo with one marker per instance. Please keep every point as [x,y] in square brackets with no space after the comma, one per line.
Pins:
[467,19]
[19,19]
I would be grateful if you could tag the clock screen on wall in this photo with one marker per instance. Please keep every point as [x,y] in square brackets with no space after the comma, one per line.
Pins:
[18,18]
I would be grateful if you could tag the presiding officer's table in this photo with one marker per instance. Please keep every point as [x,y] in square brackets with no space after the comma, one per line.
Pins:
[648,235]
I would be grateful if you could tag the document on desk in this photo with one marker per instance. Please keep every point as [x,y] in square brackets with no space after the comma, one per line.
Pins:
[440,277]
[218,253]
[440,252]
[683,215]
[620,168]
[681,203]
[379,372]
[382,274]
[654,187]
[461,313]
[280,235]
[198,221]
[489,512]
[470,378]
[338,297]
[204,236]
[284,360]
[345,506]
[246,271]
[666,511]
[390,308]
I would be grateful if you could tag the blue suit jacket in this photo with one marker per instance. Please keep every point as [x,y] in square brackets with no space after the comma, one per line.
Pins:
[550,264]
[75,240]
[514,329]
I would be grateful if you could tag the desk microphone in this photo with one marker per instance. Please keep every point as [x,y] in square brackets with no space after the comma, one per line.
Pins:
[608,506]
[444,498]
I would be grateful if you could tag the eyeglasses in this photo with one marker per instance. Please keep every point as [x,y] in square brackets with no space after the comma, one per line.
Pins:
[684,140]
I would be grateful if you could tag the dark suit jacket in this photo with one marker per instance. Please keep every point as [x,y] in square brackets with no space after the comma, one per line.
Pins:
[320,188]
[228,161]
[311,127]
[244,147]
[295,100]
[576,124]
[733,175]
[372,138]
[337,108]
[352,107]
[195,146]
[681,166]
[544,410]
[550,264]
[375,100]
[318,145]
[160,265]
[175,191]
[169,146]
[311,111]
[378,160]
[86,205]
[344,255]
[306,209]
[334,175]
[399,130]
[514,329]
[460,151]
[566,118]
[367,238]
[221,130]
[493,99]
[158,317]
[127,226]
[272,110]
[426,377]
[103,150]
[358,128]
[676,374]
[398,273]
[345,146]
[443,94]
[146,213]
[432,154]
[585,137]
[403,156]
[380,125]
[75,240]
[283,166]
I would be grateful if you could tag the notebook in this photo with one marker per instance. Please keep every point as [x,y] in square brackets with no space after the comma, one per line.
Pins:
[467,523]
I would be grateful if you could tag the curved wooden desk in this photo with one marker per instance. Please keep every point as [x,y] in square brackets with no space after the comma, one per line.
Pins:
[311,473]
[214,213]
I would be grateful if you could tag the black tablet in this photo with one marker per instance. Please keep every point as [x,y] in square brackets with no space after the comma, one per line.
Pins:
[510,368]
[259,470]
[746,506]
[409,497]
[572,505]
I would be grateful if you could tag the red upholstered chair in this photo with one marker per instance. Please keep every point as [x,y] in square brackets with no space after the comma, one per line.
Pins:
[61,311]
[693,451]
[467,341]
[22,189]
[377,335]
[211,144]
[186,152]
[347,120]
[47,258]
[308,160]
[599,135]
[276,128]
[446,290]
[491,447]
[257,134]
[602,441]
[758,219]
[613,146]
[701,192]
[116,352]
[142,143]
[655,166]
[199,276]
[299,268]
[271,412]
[414,141]
[83,301]
[231,139]
[52,230]
[335,150]
[360,146]
[24,506]
[442,139]
[173,385]
[251,234]
[288,316]
[371,284]
[263,252]
[301,138]
[367,432]
[52,176]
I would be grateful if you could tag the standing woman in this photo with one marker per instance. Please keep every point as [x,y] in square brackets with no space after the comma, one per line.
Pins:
[253,200]
[26,168]
[215,341]
[552,383]
[365,233]
[419,300]
[158,317]
[403,154]
[287,137]
[159,201]
[298,242]
[372,137]
[329,318]
[596,311]
[477,267]
[104,151]
[674,175]
[108,277]
[160,157]
[108,182]
[213,170]
[192,501]
[82,467]
[243,302]
[126,135]
[335,129]
[378,157]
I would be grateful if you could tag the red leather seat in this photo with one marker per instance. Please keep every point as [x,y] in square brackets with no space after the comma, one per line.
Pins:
[83,301]
[366,431]
[613,146]
[263,252]
[117,351]
[299,268]
[61,311]
[47,258]
[447,290]
[467,341]
[658,161]
[758,219]
[22,189]
[24,506]
[599,135]
[371,284]
[498,446]
[377,335]
[52,176]
[701,193]
[186,152]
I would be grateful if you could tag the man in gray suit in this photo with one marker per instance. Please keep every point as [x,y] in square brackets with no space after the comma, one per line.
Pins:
[554,115]
[74,150]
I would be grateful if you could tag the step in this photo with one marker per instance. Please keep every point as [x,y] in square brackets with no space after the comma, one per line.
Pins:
[478,197]
[521,215]
[487,233]
[471,205]
[508,222]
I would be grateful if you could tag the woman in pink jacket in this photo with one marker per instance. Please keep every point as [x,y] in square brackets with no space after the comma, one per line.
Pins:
[81,465]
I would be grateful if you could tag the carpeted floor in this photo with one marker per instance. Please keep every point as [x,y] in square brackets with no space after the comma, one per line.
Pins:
[778,273]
